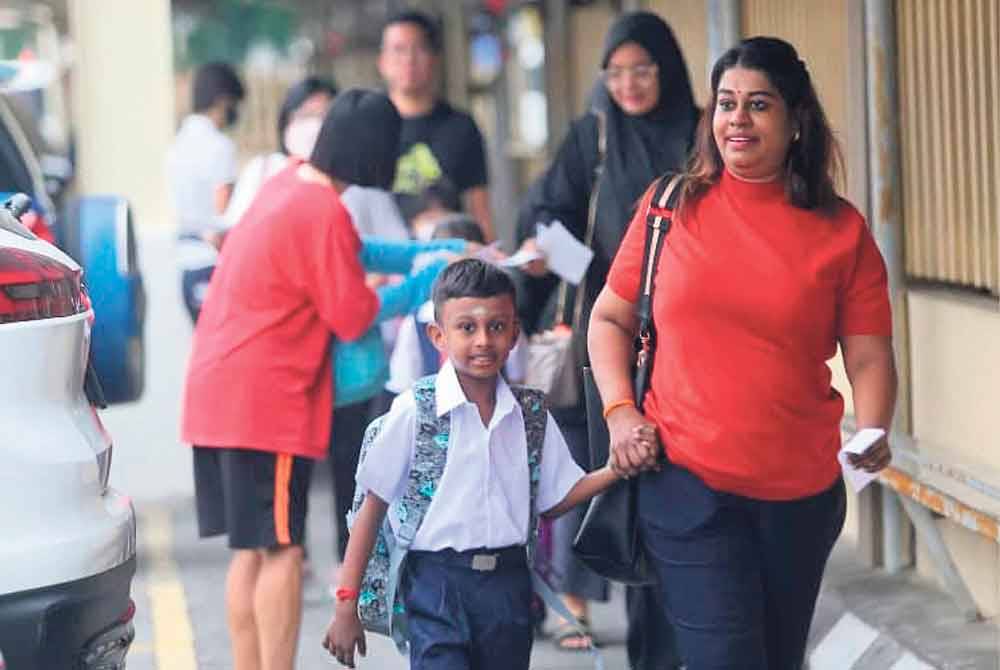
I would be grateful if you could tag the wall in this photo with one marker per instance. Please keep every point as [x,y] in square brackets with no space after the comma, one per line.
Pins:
[123,131]
[955,346]
[688,20]
[949,73]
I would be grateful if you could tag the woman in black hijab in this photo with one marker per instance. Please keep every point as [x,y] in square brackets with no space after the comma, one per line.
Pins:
[645,103]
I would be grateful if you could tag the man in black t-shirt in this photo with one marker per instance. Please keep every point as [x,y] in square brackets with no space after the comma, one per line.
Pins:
[438,143]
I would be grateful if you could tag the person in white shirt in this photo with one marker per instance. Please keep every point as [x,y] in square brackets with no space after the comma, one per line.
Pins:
[460,617]
[201,165]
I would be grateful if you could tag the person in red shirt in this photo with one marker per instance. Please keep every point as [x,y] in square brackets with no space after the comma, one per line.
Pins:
[762,274]
[258,393]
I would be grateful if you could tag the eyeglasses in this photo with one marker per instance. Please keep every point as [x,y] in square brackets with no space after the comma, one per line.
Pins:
[404,51]
[644,74]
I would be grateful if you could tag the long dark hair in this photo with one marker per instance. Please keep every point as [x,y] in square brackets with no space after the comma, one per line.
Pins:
[813,163]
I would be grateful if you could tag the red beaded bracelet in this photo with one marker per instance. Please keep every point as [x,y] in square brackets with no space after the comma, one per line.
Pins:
[346,594]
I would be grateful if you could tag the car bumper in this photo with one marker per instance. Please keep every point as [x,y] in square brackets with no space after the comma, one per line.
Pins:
[85,624]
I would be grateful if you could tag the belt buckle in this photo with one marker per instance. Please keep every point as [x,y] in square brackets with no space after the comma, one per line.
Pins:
[484,562]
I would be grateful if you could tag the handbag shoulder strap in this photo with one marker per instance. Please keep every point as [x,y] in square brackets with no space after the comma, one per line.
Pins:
[602,151]
[659,214]
[588,236]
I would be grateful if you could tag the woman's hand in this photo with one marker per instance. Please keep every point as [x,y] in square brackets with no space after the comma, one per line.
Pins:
[871,369]
[634,444]
[875,458]
[538,267]
[345,633]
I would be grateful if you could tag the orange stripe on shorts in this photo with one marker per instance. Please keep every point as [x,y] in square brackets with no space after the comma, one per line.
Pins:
[282,503]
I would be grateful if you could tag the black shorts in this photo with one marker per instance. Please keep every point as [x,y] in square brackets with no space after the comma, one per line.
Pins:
[259,499]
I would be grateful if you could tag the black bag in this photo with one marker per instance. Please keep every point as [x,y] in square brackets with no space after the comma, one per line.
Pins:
[608,541]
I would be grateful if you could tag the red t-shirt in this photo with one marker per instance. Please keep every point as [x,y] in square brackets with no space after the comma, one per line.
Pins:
[288,276]
[751,297]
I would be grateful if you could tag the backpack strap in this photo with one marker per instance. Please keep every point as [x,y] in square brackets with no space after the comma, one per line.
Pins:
[379,604]
[432,433]
[535,413]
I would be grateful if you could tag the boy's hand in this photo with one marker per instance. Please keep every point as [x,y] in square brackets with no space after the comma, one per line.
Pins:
[634,444]
[345,633]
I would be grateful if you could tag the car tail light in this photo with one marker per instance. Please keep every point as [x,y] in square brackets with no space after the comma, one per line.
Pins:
[37,224]
[34,286]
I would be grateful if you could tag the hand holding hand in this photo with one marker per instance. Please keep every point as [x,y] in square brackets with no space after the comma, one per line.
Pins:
[345,634]
[634,444]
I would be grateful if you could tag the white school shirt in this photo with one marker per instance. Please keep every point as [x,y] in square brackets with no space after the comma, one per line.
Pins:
[483,498]
[200,160]
[257,171]
[374,213]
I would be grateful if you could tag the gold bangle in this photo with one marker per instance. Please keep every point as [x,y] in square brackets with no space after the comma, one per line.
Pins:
[618,404]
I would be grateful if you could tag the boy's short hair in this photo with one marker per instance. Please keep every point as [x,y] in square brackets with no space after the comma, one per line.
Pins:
[471,278]
[213,81]
[458,227]
[414,17]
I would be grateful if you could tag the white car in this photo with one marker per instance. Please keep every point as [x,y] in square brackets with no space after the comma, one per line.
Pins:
[67,540]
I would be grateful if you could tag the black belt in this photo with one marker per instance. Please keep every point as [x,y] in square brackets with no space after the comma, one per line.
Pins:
[481,560]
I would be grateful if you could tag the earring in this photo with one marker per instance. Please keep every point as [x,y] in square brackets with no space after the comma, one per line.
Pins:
[795,138]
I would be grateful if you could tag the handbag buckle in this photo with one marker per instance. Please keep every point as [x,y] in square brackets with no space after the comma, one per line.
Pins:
[484,562]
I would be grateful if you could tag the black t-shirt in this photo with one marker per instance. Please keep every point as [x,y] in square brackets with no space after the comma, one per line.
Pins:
[442,146]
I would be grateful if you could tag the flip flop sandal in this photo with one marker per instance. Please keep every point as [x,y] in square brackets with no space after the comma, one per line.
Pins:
[567,636]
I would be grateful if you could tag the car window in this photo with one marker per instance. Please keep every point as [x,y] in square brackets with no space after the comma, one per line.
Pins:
[14,174]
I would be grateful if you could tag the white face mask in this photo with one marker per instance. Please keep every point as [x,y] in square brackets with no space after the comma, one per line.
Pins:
[300,136]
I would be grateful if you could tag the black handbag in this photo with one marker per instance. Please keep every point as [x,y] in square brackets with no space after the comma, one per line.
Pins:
[609,540]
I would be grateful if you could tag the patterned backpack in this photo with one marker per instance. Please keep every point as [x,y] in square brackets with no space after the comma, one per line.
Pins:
[380,607]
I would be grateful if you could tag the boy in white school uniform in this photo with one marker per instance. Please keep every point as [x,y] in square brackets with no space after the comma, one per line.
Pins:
[466,583]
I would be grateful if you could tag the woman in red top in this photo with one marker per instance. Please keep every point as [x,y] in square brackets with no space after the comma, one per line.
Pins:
[258,393]
[763,273]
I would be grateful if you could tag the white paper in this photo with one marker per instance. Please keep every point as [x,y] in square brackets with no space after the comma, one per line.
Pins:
[565,255]
[491,253]
[856,477]
[522,257]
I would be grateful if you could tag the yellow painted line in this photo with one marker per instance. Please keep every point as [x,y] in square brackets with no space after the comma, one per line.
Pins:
[173,639]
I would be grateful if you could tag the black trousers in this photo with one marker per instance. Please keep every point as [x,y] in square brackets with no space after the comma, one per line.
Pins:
[650,641]
[739,576]
[193,286]
[349,425]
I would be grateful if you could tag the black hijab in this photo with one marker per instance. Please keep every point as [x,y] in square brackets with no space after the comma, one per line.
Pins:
[641,148]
